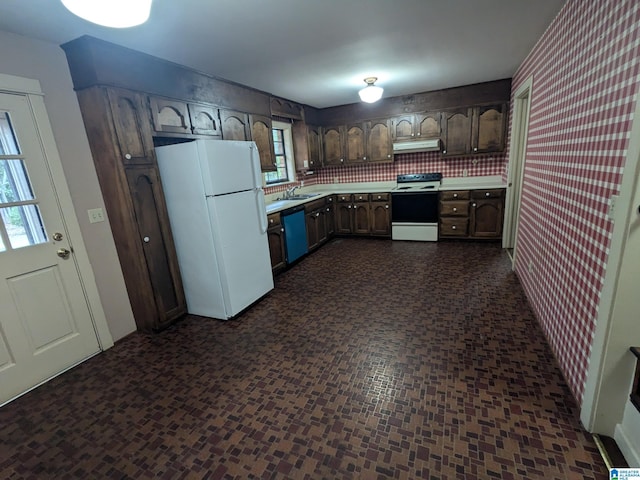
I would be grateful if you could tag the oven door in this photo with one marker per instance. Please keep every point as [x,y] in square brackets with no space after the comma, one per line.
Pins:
[414,207]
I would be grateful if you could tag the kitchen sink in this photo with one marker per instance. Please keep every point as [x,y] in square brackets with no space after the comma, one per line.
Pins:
[302,196]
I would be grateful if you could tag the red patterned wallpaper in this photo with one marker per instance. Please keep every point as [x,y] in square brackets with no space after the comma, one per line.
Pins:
[585,72]
[405,163]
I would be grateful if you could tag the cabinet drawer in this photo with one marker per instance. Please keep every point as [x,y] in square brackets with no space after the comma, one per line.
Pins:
[273,219]
[360,197]
[454,208]
[494,193]
[314,205]
[343,198]
[380,197]
[454,227]
[454,195]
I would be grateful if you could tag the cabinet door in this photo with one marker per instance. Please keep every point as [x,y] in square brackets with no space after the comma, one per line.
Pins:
[132,127]
[486,218]
[380,219]
[312,221]
[355,144]
[330,221]
[157,243]
[261,134]
[169,115]
[402,128]
[428,125]
[332,145]
[456,132]
[379,143]
[276,248]
[204,120]
[315,146]
[361,224]
[344,213]
[489,128]
[234,125]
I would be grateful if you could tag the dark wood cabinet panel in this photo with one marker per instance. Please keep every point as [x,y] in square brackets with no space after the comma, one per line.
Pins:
[330,219]
[380,218]
[379,143]
[262,135]
[355,144]
[489,127]
[157,243]
[456,132]
[344,218]
[131,125]
[416,126]
[361,221]
[275,235]
[234,125]
[333,145]
[403,128]
[204,120]
[169,116]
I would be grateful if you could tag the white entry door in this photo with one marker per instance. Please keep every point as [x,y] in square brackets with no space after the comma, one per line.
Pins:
[45,322]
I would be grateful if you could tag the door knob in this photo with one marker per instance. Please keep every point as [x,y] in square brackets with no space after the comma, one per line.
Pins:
[63,253]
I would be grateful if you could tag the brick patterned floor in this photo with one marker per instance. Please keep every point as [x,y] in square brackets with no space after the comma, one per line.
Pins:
[371,360]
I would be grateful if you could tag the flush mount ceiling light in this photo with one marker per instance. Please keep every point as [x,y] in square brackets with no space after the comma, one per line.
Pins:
[370,93]
[111,13]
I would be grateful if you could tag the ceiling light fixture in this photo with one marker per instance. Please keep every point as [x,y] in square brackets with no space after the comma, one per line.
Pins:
[111,13]
[370,93]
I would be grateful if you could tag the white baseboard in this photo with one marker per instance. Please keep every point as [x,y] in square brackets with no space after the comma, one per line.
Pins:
[626,446]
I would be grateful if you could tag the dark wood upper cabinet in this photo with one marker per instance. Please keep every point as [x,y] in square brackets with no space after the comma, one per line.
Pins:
[356,143]
[403,128]
[235,125]
[204,120]
[333,145]
[456,131]
[378,141]
[314,141]
[262,135]
[428,125]
[169,116]
[131,125]
[489,127]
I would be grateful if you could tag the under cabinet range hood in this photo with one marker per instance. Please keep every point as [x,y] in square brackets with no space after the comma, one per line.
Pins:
[432,145]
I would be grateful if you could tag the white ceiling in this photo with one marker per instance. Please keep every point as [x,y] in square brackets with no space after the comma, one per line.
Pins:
[319,51]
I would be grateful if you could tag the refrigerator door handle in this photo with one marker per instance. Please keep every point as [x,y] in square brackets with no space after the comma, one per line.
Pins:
[255,166]
[262,210]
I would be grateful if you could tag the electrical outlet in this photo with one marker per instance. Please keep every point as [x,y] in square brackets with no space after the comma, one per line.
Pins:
[612,207]
[530,266]
[465,173]
[96,215]
[335,179]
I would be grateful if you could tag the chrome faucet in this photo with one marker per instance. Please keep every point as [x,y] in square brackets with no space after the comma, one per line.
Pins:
[289,192]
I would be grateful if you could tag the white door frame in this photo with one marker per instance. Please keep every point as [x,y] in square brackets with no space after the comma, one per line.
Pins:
[32,90]
[610,372]
[517,157]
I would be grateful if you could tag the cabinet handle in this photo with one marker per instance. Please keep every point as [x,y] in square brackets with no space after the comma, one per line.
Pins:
[453,227]
[455,195]
[311,162]
[342,159]
[473,204]
[455,209]
[282,229]
[379,197]
[444,151]
[364,158]
[330,199]
[146,239]
[271,220]
[127,156]
[318,214]
[475,149]
[349,206]
[386,206]
[487,194]
[328,209]
[413,134]
[418,134]
[389,156]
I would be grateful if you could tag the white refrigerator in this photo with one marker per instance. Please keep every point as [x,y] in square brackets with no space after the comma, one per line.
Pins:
[213,191]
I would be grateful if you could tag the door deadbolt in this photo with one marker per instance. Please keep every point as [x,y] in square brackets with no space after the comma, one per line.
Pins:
[57,236]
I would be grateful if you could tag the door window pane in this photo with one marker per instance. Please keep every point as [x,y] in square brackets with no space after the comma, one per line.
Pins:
[14,183]
[23,225]
[8,141]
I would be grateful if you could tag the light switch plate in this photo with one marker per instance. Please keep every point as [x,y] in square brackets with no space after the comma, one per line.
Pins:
[95,215]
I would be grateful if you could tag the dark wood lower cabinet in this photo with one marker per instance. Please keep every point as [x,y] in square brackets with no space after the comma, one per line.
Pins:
[486,218]
[381,218]
[157,243]
[275,235]
[472,214]
[361,223]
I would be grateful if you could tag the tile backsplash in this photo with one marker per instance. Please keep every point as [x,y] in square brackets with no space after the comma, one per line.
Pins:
[421,162]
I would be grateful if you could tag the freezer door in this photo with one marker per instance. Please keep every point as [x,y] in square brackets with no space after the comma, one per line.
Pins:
[229,166]
[241,247]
